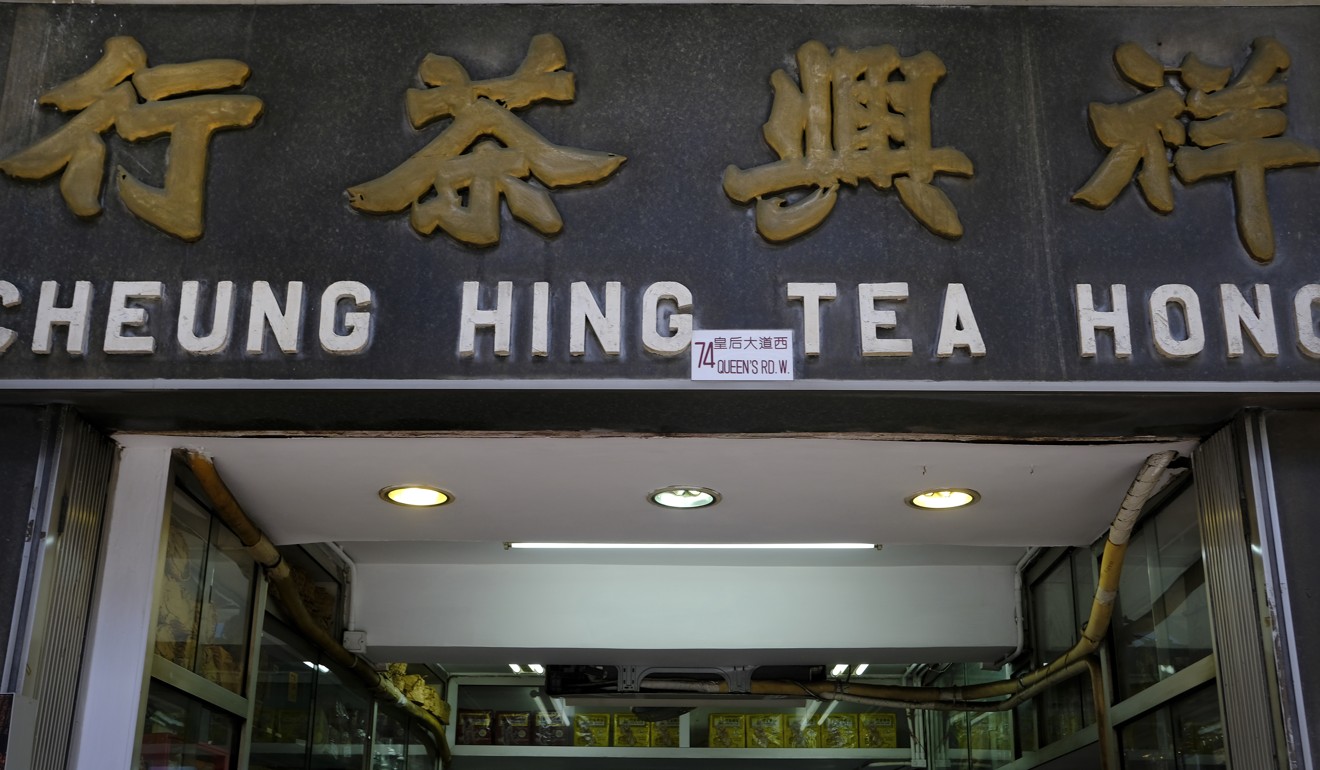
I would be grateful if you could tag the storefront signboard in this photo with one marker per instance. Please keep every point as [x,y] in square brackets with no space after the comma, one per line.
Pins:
[548,194]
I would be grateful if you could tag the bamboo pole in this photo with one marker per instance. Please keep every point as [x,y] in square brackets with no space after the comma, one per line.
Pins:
[277,571]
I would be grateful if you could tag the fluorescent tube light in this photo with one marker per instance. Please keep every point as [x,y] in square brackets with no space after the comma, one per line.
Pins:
[861,669]
[540,707]
[517,669]
[809,713]
[561,708]
[536,668]
[838,669]
[828,710]
[705,546]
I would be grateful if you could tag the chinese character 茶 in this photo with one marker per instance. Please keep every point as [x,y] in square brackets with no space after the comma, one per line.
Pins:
[486,152]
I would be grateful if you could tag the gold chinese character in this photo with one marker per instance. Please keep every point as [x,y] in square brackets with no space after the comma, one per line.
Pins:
[1233,130]
[105,97]
[856,115]
[485,152]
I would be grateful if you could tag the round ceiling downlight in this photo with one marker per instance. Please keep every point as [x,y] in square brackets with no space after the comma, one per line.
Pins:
[682,497]
[943,499]
[415,496]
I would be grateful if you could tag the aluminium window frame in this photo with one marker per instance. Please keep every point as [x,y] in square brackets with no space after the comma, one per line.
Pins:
[158,669]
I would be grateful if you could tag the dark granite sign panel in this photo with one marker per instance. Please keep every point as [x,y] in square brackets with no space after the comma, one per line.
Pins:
[966,195]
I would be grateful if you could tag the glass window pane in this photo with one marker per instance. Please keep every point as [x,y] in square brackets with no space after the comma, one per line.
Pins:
[340,721]
[181,584]
[1052,609]
[180,733]
[1066,708]
[1136,645]
[281,723]
[389,750]
[318,589]
[422,754]
[1183,624]
[1085,567]
[1162,622]
[1198,731]
[226,611]
[1026,729]
[1148,743]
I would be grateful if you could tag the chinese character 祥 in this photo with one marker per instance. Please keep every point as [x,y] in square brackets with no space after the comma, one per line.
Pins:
[486,152]
[1234,130]
[107,96]
[855,115]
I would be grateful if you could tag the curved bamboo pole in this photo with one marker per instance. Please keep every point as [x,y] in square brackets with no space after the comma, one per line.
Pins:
[277,571]
[1067,665]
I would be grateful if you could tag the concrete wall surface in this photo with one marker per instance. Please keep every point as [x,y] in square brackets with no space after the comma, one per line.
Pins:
[21,429]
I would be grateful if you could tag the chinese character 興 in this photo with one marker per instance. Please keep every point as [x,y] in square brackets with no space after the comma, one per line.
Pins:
[1235,129]
[853,115]
[486,152]
[107,96]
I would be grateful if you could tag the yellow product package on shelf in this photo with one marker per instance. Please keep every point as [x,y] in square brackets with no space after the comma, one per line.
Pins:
[552,729]
[765,731]
[802,734]
[591,730]
[879,730]
[664,734]
[839,731]
[631,731]
[728,731]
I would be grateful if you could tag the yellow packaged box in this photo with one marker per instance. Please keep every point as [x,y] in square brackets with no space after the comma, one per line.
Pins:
[728,731]
[664,734]
[591,730]
[765,731]
[802,735]
[839,731]
[631,731]
[879,731]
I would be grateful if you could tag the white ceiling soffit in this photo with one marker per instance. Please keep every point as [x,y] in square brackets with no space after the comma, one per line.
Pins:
[572,489]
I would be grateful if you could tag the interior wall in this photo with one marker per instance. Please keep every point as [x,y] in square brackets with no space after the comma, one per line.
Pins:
[21,429]
[684,615]
[1294,445]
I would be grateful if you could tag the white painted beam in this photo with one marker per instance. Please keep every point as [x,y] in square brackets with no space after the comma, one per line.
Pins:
[685,615]
[106,723]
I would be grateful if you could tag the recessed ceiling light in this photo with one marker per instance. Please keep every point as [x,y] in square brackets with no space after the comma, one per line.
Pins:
[944,498]
[684,497]
[415,495]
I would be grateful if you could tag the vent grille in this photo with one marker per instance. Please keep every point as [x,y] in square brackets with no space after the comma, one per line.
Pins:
[1245,703]
[68,581]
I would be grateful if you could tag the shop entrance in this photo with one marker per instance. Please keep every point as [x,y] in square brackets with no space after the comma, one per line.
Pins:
[535,651]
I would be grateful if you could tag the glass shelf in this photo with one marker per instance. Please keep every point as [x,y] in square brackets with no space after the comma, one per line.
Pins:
[492,695]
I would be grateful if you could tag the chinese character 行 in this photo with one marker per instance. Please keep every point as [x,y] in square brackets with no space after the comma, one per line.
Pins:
[1234,130]
[106,96]
[485,152]
[855,115]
